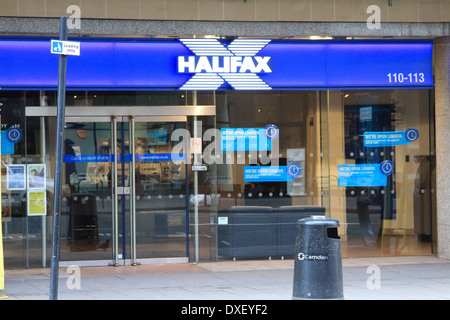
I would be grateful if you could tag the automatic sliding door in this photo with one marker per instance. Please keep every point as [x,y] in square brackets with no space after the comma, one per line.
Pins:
[160,191]
[86,225]
[123,200]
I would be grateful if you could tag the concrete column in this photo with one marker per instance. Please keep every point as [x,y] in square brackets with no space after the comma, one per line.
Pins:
[442,94]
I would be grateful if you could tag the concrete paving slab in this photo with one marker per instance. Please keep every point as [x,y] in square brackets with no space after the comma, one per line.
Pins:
[400,278]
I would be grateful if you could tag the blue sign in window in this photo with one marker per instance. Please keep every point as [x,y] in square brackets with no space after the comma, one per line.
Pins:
[272,173]
[244,139]
[363,175]
[147,157]
[390,138]
[7,146]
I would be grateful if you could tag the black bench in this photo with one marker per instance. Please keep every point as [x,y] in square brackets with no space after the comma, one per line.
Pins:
[260,231]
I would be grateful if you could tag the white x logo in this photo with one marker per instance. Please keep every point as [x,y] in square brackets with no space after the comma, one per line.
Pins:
[214,63]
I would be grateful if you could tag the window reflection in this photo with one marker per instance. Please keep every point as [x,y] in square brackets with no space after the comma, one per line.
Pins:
[320,131]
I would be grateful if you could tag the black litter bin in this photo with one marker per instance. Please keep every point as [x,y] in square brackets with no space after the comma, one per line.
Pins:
[287,230]
[318,260]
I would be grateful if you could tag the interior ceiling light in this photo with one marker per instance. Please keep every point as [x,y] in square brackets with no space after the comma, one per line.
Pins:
[320,38]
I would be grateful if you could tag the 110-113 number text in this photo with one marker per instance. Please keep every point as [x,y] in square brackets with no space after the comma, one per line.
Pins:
[410,77]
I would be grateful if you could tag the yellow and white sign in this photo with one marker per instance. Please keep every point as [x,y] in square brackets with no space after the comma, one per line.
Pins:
[37,204]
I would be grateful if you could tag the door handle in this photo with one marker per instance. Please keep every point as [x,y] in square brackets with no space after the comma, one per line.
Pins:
[123,190]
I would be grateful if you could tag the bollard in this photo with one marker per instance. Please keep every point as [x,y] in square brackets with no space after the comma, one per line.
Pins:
[318,260]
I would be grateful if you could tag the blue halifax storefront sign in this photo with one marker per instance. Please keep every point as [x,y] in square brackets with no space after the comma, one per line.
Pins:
[213,64]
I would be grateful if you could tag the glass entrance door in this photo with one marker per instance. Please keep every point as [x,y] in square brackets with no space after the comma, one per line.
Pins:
[125,193]
[158,189]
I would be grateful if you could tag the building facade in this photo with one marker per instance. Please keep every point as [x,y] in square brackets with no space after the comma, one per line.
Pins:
[203,130]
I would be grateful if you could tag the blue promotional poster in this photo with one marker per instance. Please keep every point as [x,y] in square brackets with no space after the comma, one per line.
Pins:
[390,138]
[363,175]
[147,157]
[272,173]
[7,145]
[244,139]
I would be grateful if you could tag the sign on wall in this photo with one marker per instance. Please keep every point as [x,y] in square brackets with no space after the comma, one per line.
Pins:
[220,64]
[215,63]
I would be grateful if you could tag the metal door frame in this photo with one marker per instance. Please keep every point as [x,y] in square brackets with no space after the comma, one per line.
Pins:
[130,114]
[123,111]
[114,120]
[133,257]
[131,121]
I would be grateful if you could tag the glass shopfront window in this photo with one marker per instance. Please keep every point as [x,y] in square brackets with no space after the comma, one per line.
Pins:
[260,199]
[272,157]
[370,127]
[114,210]
[340,177]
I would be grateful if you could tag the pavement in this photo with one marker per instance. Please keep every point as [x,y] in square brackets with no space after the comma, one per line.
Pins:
[383,278]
